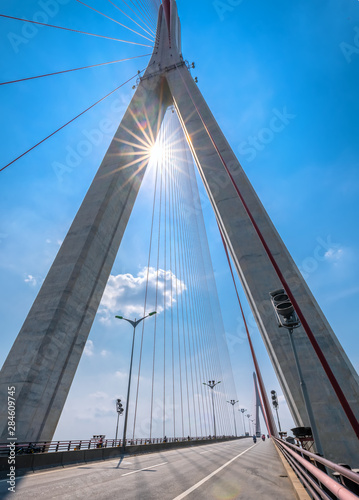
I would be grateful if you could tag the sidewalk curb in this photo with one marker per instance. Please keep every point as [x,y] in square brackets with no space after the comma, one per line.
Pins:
[300,491]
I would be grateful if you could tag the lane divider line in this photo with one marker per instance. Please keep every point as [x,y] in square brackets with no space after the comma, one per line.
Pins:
[205,479]
[144,469]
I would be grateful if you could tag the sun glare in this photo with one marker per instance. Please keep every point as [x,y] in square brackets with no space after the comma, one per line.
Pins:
[157,152]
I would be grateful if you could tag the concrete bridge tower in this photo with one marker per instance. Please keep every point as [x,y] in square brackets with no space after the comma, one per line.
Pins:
[43,360]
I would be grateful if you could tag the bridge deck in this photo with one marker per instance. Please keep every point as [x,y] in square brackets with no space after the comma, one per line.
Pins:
[221,470]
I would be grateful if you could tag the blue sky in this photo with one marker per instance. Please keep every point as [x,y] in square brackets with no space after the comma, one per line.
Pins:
[254,61]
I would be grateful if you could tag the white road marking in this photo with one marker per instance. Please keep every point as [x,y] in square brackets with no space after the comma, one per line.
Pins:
[202,452]
[197,485]
[145,468]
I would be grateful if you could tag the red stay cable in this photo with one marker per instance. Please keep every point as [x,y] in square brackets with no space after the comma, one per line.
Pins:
[267,413]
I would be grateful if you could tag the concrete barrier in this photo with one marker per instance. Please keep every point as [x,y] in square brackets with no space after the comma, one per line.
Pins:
[39,461]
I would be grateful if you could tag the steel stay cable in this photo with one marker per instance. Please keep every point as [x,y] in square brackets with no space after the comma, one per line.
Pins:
[205,349]
[223,408]
[193,337]
[171,168]
[164,167]
[146,295]
[180,221]
[141,13]
[187,319]
[177,301]
[193,272]
[74,31]
[335,384]
[205,371]
[114,20]
[180,299]
[200,370]
[146,12]
[222,354]
[74,69]
[67,123]
[209,353]
[210,360]
[188,310]
[190,341]
[199,220]
[163,203]
[180,266]
[123,12]
[140,18]
[200,354]
[193,289]
[192,292]
[156,297]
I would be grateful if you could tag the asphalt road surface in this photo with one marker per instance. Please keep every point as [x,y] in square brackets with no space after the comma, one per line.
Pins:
[218,471]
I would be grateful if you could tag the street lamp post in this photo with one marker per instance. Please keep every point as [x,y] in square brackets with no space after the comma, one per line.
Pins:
[134,323]
[211,384]
[287,318]
[242,410]
[254,426]
[249,423]
[233,402]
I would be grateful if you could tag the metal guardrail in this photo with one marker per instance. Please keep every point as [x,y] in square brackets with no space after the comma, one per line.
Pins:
[312,470]
[76,445]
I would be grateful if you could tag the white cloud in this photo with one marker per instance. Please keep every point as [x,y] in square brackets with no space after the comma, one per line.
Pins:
[104,353]
[99,395]
[31,280]
[89,348]
[334,254]
[125,294]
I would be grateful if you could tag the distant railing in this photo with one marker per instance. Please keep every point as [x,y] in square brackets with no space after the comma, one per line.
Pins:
[315,473]
[76,445]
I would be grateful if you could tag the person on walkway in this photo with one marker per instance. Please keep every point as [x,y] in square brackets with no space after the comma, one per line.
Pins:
[254,438]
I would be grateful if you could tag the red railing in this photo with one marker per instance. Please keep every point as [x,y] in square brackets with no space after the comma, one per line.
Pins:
[315,473]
